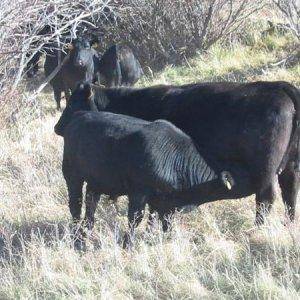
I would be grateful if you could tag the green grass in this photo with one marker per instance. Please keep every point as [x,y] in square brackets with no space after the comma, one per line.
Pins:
[235,62]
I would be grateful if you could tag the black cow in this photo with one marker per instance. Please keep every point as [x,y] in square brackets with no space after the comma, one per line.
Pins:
[80,65]
[252,126]
[118,66]
[151,162]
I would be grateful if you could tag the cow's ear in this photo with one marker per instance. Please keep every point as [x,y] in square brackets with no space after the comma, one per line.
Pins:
[69,46]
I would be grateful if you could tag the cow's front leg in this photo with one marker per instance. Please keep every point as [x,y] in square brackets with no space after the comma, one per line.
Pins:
[136,210]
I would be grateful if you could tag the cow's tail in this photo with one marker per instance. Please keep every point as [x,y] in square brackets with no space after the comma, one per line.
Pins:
[294,94]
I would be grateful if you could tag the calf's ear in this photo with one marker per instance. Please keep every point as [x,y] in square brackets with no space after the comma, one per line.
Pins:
[85,89]
[95,45]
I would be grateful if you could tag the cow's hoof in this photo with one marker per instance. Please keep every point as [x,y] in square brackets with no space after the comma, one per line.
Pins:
[79,245]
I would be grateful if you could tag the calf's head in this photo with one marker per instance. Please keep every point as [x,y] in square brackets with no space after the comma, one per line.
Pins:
[80,100]
[81,52]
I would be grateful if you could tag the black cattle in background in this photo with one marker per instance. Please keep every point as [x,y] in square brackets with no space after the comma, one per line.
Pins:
[119,67]
[151,162]
[80,65]
[252,126]
[51,62]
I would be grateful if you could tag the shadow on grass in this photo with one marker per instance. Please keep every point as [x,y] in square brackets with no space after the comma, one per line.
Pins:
[14,239]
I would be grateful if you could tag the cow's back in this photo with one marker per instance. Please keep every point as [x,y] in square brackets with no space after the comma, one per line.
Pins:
[131,69]
[164,158]
[227,121]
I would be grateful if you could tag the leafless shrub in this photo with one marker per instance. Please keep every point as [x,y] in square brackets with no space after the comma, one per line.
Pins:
[290,9]
[22,24]
[160,31]
[167,31]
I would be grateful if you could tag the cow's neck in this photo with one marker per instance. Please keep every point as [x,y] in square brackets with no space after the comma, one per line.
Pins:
[195,168]
[209,191]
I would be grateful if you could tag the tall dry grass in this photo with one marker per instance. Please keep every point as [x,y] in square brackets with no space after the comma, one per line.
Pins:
[213,252]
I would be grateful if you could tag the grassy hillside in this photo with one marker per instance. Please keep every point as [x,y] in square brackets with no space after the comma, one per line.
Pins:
[213,252]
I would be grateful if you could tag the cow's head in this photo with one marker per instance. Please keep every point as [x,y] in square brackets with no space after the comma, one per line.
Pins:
[81,51]
[80,100]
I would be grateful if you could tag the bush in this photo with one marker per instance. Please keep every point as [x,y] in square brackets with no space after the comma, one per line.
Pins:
[161,31]
[167,32]
[290,10]
[21,24]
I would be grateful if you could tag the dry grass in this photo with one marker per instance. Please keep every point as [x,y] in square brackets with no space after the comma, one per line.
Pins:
[213,252]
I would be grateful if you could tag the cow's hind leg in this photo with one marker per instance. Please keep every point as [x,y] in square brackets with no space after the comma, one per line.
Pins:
[289,181]
[91,200]
[165,218]
[276,130]
[136,209]
[264,201]
[164,210]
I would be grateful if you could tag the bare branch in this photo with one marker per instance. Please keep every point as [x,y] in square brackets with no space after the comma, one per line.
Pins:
[290,10]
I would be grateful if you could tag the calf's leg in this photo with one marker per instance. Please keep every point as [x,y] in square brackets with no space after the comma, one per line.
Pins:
[164,216]
[164,212]
[75,197]
[136,210]
[75,203]
[91,200]
[151,216]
